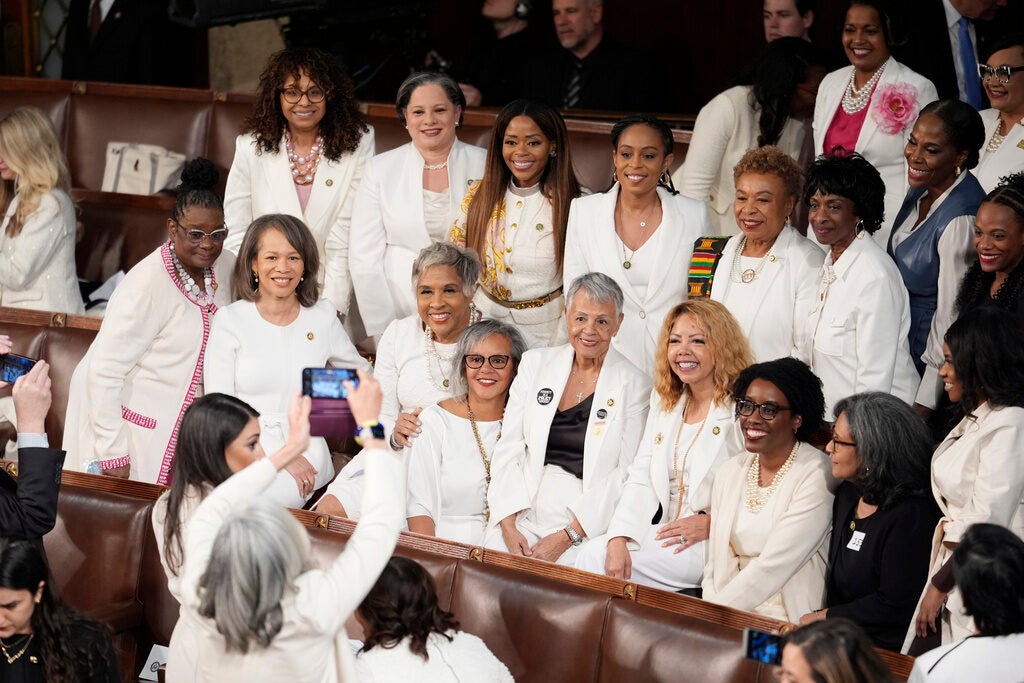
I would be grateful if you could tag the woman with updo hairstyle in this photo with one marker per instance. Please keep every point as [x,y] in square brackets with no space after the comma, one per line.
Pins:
[38,225]
[44,640]
[515,219]
[409,637]
[145,366]
[856,335]
[302,153]
[639,233]
[833,651]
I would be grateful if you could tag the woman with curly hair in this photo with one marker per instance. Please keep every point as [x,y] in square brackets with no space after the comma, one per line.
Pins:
[42,638]
[409,637]
[302,154]
[515,218]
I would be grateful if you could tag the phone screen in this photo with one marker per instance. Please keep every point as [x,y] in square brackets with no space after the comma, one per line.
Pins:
[14,366]
[327,382]
[762,647]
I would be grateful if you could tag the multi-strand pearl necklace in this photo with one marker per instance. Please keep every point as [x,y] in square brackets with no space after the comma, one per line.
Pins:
[757,497]
[303,167]
[855,99]
[750,274]
[430,349]
[204,296]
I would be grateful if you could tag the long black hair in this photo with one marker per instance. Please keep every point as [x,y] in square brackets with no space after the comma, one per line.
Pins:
[783,65]
[988,357]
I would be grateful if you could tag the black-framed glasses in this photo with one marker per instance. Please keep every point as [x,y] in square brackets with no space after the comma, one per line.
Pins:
[314,94]
[839,442]
[1001,73]
[196,236]
[475,360]
[767,410]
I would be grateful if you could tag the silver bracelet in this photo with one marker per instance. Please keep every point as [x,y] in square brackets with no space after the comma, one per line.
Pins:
[394,444]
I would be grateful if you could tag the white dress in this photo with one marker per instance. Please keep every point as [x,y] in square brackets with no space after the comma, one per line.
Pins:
[1006,159]
[464,658]
[261,363]
[447,479]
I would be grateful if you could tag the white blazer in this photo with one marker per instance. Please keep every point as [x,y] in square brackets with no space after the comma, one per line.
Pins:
[856,337]
[883,150]
[37,268]
[1009,158]
[794,558]
[259,184]
[787,295]
[611,441]
[591,245]
[648,484]
[389,229]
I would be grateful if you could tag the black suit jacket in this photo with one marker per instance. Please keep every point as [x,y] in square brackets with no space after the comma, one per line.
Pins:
[28,506]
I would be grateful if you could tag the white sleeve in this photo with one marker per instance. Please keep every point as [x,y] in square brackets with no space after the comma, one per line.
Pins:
[337,280]
[712,131]
[366,248]
[343,351]
[878,310]
[425,457]
[574,263]
[385,370]
[238,194]
[508,492]
[221,355]
[33,250]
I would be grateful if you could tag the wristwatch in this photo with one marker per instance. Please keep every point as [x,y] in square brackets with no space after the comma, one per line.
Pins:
[574,537]
[369,430]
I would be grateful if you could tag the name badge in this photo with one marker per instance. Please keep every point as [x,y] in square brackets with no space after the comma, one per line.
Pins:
[545,396]
[856,542]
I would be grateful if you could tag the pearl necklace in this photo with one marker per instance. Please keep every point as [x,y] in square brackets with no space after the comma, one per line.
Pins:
[204,296]
[750,274]
[483,456]
[855,99]
[430,348]
[435,167]
[757,497]
[11,659]
[303,168]
[997,138]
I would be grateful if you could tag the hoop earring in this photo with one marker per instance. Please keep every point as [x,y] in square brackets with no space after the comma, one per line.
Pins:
[615,178]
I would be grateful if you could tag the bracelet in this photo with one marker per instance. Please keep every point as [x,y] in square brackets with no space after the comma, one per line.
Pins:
[114,463]
[394,444]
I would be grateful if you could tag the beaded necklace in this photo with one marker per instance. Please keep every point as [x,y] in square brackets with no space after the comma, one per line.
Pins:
[430,349]
[757,496]
[303,167]
[202,297]
[750,274]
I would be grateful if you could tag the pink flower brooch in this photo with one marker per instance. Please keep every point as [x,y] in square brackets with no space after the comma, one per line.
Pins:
[894,107]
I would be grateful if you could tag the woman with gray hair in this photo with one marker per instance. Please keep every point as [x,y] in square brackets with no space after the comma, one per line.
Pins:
[882,516]
[450,462]
[573,422]
[409,196]
[414,358]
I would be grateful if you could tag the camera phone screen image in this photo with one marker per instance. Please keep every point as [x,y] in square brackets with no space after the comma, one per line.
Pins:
[328,382]
[14,366]
[762,647]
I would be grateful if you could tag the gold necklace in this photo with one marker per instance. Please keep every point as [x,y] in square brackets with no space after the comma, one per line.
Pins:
[676,471]
[483,456]
[11,659]
[627,260]
[757,496]
[579,394]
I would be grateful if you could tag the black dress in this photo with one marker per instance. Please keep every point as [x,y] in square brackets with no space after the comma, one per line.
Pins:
[93,655]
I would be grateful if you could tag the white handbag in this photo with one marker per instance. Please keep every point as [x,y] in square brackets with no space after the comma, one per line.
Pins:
[134,168]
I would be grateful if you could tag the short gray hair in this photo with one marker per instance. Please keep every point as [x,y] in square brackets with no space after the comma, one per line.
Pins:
[473,335]
[257,554]
[465,262]
[599,288]
[451,90]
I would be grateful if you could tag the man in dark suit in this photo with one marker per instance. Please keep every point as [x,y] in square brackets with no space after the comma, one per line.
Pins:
[28,505]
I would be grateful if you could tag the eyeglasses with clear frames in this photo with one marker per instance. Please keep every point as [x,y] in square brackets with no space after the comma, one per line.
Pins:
[196,236]
[1001,73]
[475,360]
[767,411]
[314,94]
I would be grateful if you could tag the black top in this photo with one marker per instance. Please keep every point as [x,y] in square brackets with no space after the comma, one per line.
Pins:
[94,656]
[878,586]
[567,436]
[28,508]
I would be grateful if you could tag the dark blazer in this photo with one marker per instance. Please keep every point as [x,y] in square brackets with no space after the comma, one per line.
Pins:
[28,506]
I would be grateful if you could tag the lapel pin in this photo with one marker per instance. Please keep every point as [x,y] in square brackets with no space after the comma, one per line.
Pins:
[544,396]
[611,402]
[330,181]
[716,430]
[658,438]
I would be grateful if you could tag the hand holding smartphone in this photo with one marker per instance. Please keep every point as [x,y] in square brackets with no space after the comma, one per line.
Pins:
[762,646]
[13,366]
[330,414]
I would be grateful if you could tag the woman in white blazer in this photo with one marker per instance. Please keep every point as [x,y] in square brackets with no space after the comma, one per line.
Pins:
[302,154]
[870,106]
[1004,122]
[977,471]
[640,233]
[767,276]
[772,107]
[409,197]
[38,227]
[772,504]
[856,338]
[691,430]
[571,428]
[145,366]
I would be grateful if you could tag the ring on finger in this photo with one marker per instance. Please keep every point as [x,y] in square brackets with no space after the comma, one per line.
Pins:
[682,541]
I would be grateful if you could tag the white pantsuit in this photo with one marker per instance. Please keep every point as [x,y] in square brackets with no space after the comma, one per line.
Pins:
[613,433]
[261,183]
[591,245]
[1007,159]
[388,227]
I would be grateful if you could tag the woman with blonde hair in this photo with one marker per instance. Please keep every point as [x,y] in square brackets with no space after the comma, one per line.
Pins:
[690,431]
[37,235]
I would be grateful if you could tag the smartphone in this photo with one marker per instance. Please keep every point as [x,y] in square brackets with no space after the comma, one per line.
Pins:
[327,382]
[762,647]
[14,366]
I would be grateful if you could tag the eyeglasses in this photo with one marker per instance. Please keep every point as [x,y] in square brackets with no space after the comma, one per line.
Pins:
[840,442]
[196,236]
[475,360]
[1001,73]
[768,410]
[292,95]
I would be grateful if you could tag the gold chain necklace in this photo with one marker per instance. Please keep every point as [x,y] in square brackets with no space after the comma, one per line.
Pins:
[11,659]
[676,471]
[758,497]
[483,456]
[627,259]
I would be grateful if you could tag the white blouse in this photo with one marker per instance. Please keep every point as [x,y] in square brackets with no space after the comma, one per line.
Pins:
[464,658]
